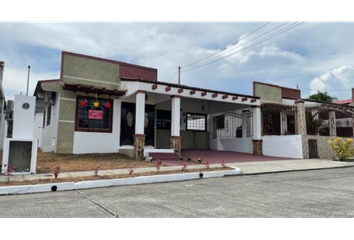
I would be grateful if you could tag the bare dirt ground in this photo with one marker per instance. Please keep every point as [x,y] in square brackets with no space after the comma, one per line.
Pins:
[47,162]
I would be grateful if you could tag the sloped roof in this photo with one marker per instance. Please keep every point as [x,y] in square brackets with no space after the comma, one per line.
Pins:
[348,101]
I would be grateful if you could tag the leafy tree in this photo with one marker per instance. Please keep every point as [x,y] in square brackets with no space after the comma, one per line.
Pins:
[313,125]
[322,96]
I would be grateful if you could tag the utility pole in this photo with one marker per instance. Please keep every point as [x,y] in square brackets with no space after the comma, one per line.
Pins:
[179,75]
[28,76]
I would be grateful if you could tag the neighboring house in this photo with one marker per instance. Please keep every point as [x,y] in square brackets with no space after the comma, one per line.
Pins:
[2,106]
[302,127]
[347,102]
[102,106]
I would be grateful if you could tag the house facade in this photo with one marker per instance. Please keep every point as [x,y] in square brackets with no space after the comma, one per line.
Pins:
[347,102]
[104,106]
[301,126]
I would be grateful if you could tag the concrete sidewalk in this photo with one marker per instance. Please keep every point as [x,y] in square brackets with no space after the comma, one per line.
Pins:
[289,165]
[246,168]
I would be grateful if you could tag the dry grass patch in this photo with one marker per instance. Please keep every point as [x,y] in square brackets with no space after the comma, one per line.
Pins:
[46,162]
[79,179]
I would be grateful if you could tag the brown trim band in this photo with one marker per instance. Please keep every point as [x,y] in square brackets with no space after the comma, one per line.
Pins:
[139,135]
[257,140]
[176,137]
[140,91]
[192,89]
[92,89]
[176,96]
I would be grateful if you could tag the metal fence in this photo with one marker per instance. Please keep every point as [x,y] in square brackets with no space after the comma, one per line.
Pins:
[325,120]
[278,119]
[229,125]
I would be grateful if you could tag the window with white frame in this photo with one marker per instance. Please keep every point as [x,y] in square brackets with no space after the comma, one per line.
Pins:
[196,122]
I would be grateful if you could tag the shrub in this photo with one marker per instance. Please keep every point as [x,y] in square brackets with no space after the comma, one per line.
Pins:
[9,171]
[56,172]
[95,171]
[344,148]
[184,167]
[158,164]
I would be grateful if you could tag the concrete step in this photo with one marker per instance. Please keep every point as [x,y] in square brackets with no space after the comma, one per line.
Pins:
[164,156]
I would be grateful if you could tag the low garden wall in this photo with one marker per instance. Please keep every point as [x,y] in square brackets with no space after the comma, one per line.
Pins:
[324,149]
[287,146]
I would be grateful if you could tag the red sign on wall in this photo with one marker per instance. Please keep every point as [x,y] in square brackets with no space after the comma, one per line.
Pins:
[95,114]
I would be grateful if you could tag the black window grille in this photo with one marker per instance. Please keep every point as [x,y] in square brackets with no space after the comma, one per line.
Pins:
[163,120]
[49,113]
[44,113]
[196,122]
[220,122]
[85,123]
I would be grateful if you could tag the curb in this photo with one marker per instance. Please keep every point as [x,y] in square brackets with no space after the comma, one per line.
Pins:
[295,170]
[65,186]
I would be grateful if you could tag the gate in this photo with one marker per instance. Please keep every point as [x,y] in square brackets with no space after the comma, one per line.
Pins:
[229,125]
[313,151]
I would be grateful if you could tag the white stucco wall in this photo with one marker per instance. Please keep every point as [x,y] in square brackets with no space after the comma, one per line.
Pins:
[49,133]
[23,125]
[188,105]
[289,146]
[91,142]
[38,127]
[243,145]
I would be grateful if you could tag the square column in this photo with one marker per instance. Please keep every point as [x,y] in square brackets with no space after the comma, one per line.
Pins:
[139,136]
[257,136]
[175,124]
[244,123]
[332,124]
[300,127]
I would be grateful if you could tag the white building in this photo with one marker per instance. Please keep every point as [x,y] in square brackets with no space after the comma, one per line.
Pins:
[104,106]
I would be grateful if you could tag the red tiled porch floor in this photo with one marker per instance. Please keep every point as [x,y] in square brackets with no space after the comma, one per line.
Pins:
[214,157]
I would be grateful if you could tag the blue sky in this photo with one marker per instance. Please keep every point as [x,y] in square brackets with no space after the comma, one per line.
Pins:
[314,55]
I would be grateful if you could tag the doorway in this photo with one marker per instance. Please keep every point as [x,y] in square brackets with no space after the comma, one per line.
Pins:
[127,127]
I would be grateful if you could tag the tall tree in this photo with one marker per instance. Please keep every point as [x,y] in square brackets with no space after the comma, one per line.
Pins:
[322,96]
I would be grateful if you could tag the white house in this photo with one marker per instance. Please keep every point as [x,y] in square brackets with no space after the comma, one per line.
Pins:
[104,106]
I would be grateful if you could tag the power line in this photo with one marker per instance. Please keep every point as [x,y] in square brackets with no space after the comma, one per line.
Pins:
[225,49]
[250,46]
[173,77]
[247,47]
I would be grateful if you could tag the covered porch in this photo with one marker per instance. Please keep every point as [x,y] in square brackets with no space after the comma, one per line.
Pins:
[165,118]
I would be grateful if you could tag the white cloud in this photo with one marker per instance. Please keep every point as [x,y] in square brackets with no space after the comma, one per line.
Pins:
[15,80]
[336,80]
[292,58]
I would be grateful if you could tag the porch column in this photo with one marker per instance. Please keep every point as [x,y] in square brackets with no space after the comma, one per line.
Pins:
[300,123]
[244,123]
[257,136]
[332,125]
[175,124]
[139,136]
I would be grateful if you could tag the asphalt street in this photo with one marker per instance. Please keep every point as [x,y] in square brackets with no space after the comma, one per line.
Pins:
[320,193]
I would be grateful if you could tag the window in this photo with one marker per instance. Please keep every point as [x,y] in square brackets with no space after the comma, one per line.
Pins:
[44,119]
[49,113]
[91,119]
[196,122]
[163,120]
